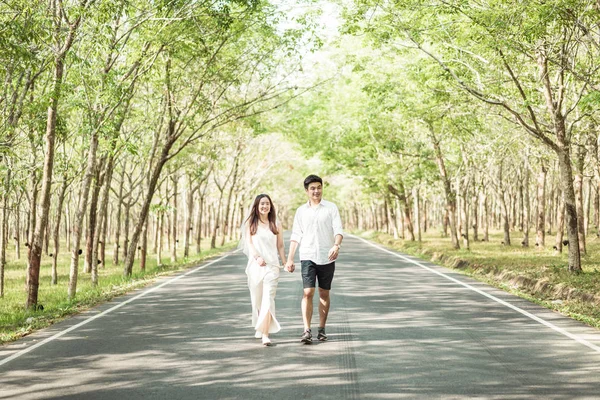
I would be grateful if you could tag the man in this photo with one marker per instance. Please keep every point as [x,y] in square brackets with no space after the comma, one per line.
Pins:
[318,231]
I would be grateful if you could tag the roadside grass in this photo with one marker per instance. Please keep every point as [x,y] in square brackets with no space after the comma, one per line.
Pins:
[506,266]
[16,321]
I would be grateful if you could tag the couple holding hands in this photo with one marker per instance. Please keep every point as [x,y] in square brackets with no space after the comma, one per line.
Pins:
[317,232]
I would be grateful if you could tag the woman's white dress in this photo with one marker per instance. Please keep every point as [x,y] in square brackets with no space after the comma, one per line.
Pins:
[262,281]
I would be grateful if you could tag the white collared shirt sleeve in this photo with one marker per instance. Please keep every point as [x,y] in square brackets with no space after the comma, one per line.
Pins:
[297,227]
[336,221]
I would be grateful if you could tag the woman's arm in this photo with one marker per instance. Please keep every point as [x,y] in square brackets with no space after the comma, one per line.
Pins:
[280,245]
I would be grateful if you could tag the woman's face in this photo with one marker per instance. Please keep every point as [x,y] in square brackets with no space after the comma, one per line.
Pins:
[264,206]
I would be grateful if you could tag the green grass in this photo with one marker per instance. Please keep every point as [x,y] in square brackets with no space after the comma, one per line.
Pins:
[16,321]
[487,260]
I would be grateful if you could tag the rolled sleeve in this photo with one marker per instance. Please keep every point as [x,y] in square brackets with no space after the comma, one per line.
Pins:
[296,228]
[337,222]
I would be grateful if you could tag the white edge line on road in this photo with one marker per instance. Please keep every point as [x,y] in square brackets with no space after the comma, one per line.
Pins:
[103,313]
[481,292]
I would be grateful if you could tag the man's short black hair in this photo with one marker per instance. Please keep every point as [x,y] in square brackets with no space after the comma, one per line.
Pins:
[312,179]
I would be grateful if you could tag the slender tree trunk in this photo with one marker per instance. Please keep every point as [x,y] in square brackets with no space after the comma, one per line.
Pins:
[486,218]
[104,182]
[217,219]
[17,237]
[571,210]
[92,218]
[560,225]
[503,206]
[425,216]
[465,215]
[144,245]
[475,205]
[417,212]
[83,199]
[597,210]
[578,185]
[449,193]
[160,221]
[35,249]
[587,207]
[110,167]
[118,220]
[541,207]
[526,205]
[189,206]
[199,225]
[563,151]
[393,217]
[146,203]
[4,230]
[61,200]
[175,180]
[400,194]
[31,220]
[126,229]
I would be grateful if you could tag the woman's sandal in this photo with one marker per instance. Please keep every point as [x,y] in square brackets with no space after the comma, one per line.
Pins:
[266,341]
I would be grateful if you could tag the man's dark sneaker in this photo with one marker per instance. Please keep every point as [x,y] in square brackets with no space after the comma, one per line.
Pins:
[306,337]
[322,336]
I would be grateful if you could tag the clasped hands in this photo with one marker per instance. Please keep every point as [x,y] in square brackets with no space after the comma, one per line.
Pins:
[289,266]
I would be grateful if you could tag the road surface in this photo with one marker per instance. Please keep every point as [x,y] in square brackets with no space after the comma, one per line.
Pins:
[399,328]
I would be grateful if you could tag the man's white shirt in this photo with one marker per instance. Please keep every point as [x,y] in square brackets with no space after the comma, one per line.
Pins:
[315,229]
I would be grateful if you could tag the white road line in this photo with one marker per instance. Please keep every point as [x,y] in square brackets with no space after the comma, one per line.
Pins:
[94,317]
[481,292]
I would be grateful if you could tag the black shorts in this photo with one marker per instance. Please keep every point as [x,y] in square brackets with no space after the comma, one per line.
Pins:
[311,273]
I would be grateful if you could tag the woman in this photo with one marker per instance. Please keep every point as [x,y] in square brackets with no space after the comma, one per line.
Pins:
[263,243]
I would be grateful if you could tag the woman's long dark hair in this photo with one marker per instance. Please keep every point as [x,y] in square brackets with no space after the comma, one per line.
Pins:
[254,217]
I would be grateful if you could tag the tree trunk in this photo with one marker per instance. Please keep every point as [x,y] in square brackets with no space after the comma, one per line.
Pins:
[92,218]
[578,185]
[541,207]
[450,195]
[160,221]
[560,225]
[31,219]
[83,199]
[118,220]
[105,182]
[486,218]
[144,245]
[175,180]
[400,194]
[217,217]
[526,205]
[146,205]
[199,226]
[564,160]
[417,212]
[35,249]
[189,206]
[61,200]
[465,215]
[4,229]
[563,151]
[425,216]
[475,205]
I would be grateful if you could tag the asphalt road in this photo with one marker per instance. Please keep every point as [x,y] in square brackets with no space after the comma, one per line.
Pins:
[399,329]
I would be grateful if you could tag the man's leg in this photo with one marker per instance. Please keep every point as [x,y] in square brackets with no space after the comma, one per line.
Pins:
[325,277]
[307,307]
[323,307]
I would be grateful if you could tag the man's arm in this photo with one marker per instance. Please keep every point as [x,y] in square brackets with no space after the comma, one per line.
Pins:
[336,224]
[294,241]
[289,265]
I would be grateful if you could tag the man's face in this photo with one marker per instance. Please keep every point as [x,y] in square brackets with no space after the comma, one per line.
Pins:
[315,191]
